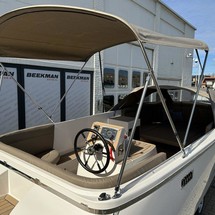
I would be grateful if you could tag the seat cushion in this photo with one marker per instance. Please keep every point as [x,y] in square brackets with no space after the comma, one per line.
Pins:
[52,157]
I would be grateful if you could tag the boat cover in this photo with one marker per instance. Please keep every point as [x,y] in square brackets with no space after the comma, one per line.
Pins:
[70,33]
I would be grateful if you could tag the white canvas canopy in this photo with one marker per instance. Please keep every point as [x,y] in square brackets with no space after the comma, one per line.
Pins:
[68,33]
[152,37]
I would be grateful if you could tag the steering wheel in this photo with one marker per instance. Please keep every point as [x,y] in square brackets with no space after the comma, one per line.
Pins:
[94,155]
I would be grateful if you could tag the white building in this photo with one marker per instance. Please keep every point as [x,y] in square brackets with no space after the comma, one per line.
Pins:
[123,66]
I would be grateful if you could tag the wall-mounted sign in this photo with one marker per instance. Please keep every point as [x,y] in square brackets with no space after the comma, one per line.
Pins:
[44,87]
[8,102]
[78,99]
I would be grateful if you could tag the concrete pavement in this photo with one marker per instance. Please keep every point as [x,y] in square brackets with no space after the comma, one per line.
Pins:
[209,203]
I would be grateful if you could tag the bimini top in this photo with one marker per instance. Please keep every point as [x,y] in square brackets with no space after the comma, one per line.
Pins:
[69,33]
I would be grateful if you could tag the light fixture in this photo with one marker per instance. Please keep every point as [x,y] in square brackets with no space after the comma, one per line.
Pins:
[189,55]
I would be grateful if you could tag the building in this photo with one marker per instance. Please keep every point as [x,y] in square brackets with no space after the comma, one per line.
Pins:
[208,82]
[123,66]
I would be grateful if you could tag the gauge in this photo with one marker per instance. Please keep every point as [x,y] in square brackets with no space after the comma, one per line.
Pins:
[109,134]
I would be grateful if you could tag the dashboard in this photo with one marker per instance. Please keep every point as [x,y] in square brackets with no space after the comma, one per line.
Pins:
[116,135]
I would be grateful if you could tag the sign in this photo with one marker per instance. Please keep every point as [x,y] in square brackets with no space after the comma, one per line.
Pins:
[8,102]
[44,87]
[78,99]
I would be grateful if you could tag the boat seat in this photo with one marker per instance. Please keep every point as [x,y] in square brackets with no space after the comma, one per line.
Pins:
[93,183]
[52,156]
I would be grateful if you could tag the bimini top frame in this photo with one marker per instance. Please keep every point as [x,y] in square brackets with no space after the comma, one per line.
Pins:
[68,33]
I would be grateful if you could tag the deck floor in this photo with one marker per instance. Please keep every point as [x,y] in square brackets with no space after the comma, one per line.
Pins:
[7,203]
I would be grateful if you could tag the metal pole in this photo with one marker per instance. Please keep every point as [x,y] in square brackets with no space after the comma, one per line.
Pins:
[196,95]
[162,98]
[20,86]
[117,188]
[55,108]
[102,78]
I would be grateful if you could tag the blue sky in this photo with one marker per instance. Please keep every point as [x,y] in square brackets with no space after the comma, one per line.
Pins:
[201,14]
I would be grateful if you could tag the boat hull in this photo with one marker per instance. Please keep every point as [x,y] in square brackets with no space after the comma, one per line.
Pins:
[175,187]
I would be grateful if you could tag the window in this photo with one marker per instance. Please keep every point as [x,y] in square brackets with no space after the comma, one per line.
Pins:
[109,78]
[108,102]
[123,79]
[135,79]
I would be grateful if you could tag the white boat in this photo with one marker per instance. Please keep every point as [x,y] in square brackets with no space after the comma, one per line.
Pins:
[153,153]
